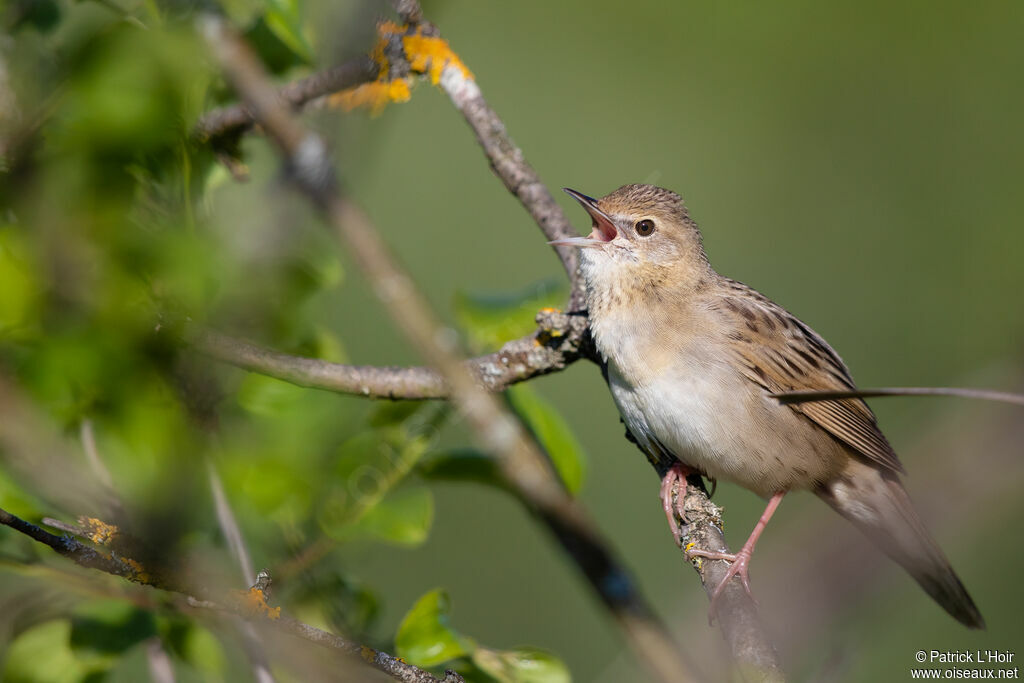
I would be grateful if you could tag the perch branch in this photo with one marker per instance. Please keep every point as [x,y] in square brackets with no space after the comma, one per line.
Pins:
[90,558]
[736,612]
[559,340]
[520,459]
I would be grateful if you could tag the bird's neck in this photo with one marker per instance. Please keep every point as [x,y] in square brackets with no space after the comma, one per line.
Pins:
[634,310]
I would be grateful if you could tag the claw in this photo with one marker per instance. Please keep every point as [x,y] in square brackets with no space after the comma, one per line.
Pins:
[673,505]
[740,562]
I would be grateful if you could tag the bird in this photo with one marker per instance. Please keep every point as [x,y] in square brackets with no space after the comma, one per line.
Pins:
[693,358]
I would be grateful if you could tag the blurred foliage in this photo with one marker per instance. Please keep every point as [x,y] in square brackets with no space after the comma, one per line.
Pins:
[490,320]
[426,638]
[859,162]
[110,239]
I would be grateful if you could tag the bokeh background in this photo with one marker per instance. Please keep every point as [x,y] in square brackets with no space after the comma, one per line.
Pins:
[859,162]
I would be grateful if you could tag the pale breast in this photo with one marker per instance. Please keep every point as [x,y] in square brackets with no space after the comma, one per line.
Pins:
[714,419]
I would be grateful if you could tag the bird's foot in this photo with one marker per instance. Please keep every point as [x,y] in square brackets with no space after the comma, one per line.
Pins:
[673,505]
[739,566]
[740,562]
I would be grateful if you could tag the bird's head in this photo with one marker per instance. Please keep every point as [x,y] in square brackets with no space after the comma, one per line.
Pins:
[638,230]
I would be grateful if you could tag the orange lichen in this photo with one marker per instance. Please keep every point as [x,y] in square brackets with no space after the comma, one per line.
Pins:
[374,95]
[548,309]
[98,531]
[430,55]
[139,573]
[426,55]
[255,603]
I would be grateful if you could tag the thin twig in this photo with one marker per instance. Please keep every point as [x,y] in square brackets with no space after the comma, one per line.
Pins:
[88,557]
[161,670]
[983,394]
[229,121]
[408,10]
[520,459]
[92,455]
[229,524]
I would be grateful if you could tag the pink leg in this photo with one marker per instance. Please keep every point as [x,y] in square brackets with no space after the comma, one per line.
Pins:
[741,560]
[674,507]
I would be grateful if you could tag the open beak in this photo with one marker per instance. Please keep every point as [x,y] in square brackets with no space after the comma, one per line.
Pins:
[604,230]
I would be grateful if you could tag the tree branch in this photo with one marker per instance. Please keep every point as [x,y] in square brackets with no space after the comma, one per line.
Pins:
[231,121]
[736,611]
[559,340]
[89,557]
[520,459]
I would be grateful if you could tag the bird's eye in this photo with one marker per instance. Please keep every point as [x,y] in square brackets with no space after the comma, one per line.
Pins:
[645,227]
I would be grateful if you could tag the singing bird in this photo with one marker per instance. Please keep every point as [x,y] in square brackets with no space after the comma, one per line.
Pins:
[692,360]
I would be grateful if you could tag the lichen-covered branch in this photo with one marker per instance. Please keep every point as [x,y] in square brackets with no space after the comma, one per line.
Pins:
[247,605]
[559,340]
[736,612]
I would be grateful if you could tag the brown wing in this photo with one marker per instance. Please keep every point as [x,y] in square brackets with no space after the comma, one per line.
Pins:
[780,353]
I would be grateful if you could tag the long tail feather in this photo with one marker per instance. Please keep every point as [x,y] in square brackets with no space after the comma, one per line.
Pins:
[877,504]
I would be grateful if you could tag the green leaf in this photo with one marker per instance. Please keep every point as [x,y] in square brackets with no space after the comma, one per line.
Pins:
[463,464]
[403,518]
[553,433]
[284,19]
[43,15]
[523,665]
[109,628]
[197,646]
[19,286]
[278,41]
[425,638]
[352,607]
[43,653]
[392,413]
[492,320]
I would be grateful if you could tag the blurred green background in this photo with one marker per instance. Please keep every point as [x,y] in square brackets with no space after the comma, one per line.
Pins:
[860,163]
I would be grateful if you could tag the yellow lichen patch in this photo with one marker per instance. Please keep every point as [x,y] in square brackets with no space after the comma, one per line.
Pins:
[430,55]
[548,309]
[98,531]
[427,55]
[698,561]
[374,95]
[139,573]
[255,603]
[368,653]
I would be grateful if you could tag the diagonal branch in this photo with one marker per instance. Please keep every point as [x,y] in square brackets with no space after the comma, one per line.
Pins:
[509,163]
[736,612]
[89,557]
